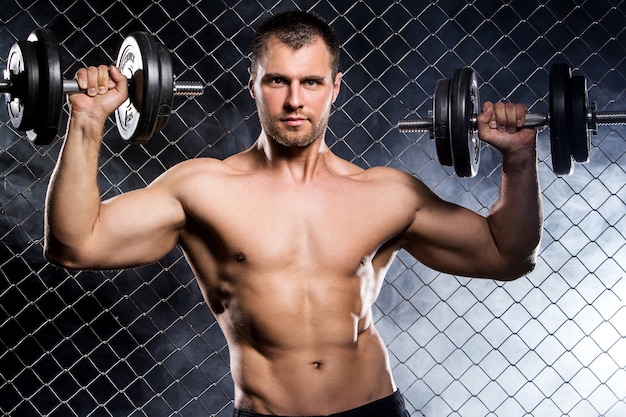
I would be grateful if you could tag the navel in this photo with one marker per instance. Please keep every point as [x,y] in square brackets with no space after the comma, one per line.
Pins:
[240,257]
[317,365]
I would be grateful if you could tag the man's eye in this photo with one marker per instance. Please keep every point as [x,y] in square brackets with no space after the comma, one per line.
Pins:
[278,81]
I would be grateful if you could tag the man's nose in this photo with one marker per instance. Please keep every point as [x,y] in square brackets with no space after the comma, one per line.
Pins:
[294,97]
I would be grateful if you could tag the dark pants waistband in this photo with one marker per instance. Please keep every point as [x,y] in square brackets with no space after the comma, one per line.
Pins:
[391,406]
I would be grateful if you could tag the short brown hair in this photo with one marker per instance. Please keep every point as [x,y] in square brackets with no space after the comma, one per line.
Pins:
[295,29]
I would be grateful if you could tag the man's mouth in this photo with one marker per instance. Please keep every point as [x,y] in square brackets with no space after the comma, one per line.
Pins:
[294,121]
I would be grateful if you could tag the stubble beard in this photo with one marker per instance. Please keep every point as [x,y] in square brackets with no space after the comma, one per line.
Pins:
[297,137]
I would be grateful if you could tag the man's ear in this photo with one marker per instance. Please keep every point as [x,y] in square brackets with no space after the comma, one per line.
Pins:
[336,86]
[251,83]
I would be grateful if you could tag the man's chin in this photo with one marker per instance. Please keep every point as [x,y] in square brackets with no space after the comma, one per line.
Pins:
[294,140]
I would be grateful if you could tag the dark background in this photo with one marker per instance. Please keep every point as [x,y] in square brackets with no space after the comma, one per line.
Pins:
[142,343]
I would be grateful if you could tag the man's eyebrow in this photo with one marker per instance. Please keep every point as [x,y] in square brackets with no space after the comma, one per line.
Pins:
[274,75]
[319,78]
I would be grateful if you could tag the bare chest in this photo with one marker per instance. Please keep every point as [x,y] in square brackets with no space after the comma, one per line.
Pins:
[329,227]
[309,227]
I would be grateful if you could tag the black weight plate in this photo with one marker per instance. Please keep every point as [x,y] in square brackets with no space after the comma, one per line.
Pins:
[441,129]
[560,136]
[580,142]
[464,107]
[23,71]
[50,104]
[167,87]
[138,59]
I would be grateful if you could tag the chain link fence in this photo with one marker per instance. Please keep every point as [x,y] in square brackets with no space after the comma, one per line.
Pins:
[142,342]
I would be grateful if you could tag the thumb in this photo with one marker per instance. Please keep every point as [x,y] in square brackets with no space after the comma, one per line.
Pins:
[486,113]
[485,119]
[120,80]
[119,84]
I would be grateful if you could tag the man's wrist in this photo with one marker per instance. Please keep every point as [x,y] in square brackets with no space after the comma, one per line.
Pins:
[519,159]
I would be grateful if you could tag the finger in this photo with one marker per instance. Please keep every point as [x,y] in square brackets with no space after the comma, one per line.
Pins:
[103,79]
[81,78]
[92,81]
[511,117]
[520,112]
[499,118]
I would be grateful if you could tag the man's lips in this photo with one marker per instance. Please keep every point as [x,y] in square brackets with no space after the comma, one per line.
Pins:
[294,121]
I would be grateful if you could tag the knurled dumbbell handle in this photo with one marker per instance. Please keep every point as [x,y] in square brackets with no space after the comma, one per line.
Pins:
[415,124]
[617,117]
[188,88]
[181,88]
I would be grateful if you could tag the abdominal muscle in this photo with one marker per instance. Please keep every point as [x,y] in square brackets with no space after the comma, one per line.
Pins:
[309,382]
[304,349]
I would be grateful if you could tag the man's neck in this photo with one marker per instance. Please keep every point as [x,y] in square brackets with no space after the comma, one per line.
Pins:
[299,163]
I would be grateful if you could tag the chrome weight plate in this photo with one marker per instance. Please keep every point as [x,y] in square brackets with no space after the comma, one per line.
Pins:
[138,116]
[464,108]
[23,70]
[580,141]
[441,122]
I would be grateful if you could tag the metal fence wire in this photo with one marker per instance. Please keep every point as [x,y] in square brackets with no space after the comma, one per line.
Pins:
[142,342]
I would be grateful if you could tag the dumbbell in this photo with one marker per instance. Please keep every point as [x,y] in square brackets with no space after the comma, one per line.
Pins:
[33,87]
[456,105]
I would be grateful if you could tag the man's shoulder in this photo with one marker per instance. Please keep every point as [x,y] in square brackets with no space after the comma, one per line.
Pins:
[394,184]
[382,173]
[201,165]
[192,172]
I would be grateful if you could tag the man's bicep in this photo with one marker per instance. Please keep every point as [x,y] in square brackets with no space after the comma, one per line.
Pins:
[451,239]
[137,227]
[132,229]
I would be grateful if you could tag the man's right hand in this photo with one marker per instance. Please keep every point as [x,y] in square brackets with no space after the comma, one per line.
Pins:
[105,89]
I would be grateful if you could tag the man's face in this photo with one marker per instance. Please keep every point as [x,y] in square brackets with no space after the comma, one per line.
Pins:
[293,90]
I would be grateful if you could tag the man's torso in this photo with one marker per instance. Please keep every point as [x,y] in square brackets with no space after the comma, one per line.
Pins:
[290,271]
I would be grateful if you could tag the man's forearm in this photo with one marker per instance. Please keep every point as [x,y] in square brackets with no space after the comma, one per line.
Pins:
[73,198]
[516,220]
